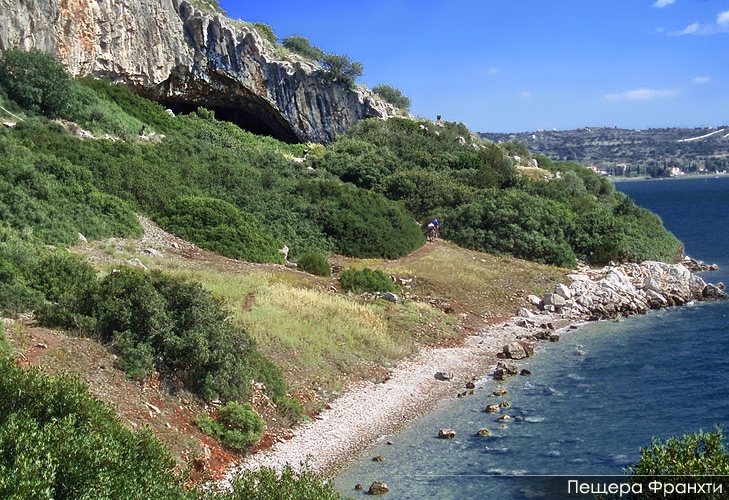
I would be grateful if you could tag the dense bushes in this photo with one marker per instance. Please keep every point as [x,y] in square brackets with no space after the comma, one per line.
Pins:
[269,484]
[512,222]
[337,67]
[154,321]
[210,182]
[314,263]
[366,280]
[698,454]
[219,226]
[57,199]
[31,273]
[235,425]
[361,223]
[302,46]
[438,170]
[146,113]
[681,460]
[59,442]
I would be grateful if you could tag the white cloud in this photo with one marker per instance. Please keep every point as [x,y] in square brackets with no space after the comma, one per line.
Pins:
[640,95]
[720,26]
[663,3]
[691,29]
[702,79]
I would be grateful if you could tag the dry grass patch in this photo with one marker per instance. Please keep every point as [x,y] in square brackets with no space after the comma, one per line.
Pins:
[325,336]
[486,284]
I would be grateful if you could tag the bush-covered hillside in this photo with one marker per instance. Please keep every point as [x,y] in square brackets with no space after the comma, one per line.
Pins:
[358,196]
[487,201]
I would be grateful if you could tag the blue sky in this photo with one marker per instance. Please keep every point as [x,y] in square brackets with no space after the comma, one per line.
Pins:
[525,65]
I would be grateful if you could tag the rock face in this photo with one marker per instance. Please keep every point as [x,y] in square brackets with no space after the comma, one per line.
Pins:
[170,52]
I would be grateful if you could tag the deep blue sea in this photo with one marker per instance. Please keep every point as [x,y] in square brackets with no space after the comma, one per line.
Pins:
[595,397]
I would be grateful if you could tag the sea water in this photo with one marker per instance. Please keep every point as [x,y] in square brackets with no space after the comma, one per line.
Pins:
[595,398]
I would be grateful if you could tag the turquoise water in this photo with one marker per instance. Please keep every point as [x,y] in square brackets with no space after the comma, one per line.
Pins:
[594,398]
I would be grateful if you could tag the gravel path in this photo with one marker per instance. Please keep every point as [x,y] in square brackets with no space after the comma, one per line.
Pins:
[368,411]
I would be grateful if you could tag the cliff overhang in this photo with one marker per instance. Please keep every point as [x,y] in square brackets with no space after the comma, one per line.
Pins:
[169,51]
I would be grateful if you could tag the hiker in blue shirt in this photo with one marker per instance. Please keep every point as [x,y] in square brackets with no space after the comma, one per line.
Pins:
[436,224]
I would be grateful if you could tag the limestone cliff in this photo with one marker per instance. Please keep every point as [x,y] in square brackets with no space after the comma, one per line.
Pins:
[168,51]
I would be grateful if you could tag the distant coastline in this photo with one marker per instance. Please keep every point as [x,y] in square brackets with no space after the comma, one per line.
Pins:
[616,179]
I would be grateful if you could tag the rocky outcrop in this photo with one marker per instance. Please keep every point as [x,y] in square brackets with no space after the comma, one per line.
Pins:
[168,51]
[626,290]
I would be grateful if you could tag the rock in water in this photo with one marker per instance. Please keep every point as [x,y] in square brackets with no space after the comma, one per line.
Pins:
[446,433]
[378,488]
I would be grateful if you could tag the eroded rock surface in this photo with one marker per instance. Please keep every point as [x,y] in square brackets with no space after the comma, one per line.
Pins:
[168,51]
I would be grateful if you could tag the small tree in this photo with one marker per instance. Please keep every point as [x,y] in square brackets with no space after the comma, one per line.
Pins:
[340,68]
[37,81]
[392,95]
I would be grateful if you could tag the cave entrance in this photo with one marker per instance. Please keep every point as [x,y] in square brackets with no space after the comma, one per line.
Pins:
[270,124]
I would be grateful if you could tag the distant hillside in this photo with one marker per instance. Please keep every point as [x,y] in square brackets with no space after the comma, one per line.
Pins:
[631,152]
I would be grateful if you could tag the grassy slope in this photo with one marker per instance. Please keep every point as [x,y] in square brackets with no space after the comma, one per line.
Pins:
[322,338]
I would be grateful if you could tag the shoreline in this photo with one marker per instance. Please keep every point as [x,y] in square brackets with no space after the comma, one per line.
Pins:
[368,412]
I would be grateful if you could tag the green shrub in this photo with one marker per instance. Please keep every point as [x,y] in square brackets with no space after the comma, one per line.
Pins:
[93,112]
[425,193]
[236,425]
[514,223]
[699,454]
[302,46]
[154,321]
[366,280]
[36,80]
[267,483]
[678,460]
[291,410]
[60,273]
[266,32]
[392,95]
[16,294]
[59,442]
[143,110]
[5,350]
[55,198]
[315,263]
